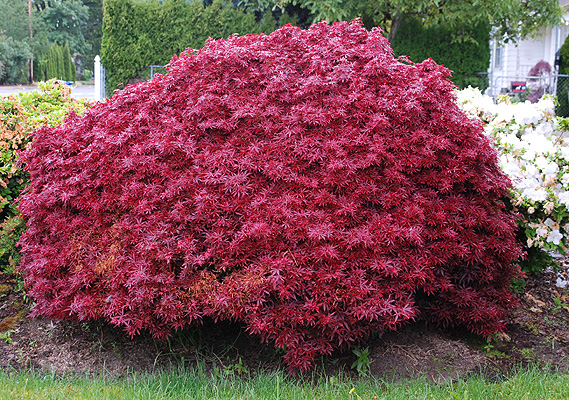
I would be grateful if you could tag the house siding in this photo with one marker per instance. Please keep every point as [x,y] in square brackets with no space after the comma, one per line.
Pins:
[517,59]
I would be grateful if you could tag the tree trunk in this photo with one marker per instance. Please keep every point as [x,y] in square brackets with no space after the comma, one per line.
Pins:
[397,19]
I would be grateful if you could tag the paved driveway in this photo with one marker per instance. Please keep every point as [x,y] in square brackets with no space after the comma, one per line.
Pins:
[78,91]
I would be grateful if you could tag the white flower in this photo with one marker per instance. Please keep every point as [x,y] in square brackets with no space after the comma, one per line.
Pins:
[531,171]
[538,143]
[535,194]
[565,152]
[542,231]
[546,105]
[555,237]
[546,166]
[532,154]
[564,198]
[512,140]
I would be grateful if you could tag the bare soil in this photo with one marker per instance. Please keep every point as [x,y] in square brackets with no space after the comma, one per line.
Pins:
[538,334]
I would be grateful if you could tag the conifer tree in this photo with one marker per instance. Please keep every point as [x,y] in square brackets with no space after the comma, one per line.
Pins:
[67,63]
[268,22]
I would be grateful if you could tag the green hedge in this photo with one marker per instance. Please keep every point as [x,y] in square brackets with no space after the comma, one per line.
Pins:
[137,34]
[562,108]
[443,45]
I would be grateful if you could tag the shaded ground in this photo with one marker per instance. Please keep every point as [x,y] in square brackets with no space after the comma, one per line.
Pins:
[538,333]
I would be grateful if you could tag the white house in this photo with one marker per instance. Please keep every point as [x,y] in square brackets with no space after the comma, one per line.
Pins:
[510,64]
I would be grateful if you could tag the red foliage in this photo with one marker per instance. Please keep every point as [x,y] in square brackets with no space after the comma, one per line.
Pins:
[306,183]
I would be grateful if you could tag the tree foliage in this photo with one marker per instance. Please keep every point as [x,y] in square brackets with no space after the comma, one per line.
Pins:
[65,21]
[512,20]
[93,32]
[14,20]
[307,184]
[57,63]
[54,21]
[14,56]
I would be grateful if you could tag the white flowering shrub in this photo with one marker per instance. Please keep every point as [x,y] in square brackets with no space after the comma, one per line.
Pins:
[534,153]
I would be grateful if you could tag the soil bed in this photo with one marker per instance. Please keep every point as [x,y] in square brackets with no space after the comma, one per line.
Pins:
[538,334]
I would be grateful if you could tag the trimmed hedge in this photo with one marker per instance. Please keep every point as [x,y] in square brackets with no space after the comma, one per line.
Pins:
[138,34]
[441,44]
[307,184]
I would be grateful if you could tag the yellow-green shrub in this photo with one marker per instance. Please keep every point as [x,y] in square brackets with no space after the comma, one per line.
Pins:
[20,114]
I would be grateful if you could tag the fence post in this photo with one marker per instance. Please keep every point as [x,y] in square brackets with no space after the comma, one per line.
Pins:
[97,78]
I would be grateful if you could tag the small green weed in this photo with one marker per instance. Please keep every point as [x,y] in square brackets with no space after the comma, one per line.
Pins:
[362,363]
[7,336]
[526,353]
[560,305]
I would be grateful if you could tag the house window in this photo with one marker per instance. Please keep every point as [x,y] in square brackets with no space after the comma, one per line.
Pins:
[498,53]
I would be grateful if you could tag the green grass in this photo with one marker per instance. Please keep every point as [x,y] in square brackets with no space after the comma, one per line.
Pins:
[196,384]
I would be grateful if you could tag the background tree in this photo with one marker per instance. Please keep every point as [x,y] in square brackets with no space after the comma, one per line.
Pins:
[562,108]
[65,21]
[68,66]
[137,34]
[14,56]
[503,15]
[14,19]
[93,32]
[15,49]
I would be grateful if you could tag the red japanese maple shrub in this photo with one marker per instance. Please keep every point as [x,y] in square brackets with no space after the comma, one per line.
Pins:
[306,183]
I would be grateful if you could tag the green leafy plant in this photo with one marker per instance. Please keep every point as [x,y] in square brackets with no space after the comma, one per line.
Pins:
[465,59]
[363,362]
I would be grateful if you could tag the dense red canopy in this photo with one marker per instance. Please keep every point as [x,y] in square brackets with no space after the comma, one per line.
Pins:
[305,183]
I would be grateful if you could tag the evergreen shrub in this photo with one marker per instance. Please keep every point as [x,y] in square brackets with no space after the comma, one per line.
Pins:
[442,44]
[562,108]
[306,184]
[138,34]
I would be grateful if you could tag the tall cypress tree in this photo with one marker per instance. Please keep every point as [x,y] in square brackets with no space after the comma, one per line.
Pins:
[51,67]
[60,66]
[68,67]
